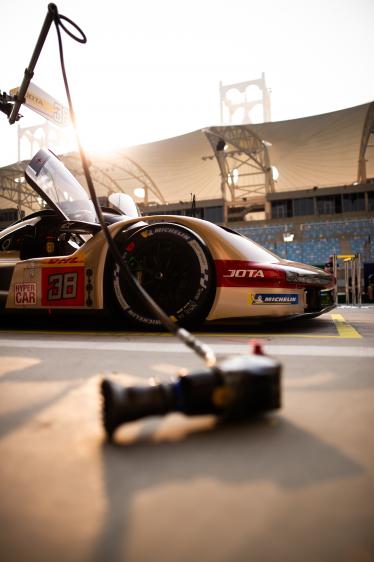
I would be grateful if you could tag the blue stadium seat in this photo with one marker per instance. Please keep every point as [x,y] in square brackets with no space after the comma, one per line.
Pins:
[317,240]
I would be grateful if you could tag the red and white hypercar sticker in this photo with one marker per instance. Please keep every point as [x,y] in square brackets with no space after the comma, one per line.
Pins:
[24,294]
[63,286]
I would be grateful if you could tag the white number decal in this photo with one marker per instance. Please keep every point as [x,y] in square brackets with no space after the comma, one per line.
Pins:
[62,286]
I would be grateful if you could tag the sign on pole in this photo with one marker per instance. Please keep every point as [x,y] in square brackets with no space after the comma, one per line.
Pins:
[38,100]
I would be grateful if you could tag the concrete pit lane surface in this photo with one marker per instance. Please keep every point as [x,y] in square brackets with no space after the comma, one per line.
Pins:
[294,485]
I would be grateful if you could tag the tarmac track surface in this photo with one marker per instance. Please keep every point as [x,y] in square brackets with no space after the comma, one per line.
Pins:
[294,485]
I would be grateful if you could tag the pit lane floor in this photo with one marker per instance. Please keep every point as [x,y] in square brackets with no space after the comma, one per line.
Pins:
[295,485]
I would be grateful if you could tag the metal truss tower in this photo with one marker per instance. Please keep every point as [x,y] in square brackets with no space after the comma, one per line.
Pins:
[243,158]
[13,188]
[234,97]
[120,174]
[367,144]
[43,135]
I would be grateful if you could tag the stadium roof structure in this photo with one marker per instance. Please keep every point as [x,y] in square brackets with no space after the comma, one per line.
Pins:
[237,162]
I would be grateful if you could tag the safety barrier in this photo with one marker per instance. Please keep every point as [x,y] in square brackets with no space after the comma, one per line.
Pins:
[348,278]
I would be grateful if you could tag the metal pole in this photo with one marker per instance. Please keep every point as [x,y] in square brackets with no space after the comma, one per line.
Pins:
[346,281]
[353,281]
[221,103]
[220,155]
[359,284]
[335,272]
[29,72]
[19,201]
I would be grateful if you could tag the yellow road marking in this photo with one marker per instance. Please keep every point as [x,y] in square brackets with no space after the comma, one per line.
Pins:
[345,330]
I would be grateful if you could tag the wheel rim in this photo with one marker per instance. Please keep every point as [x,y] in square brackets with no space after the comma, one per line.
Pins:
[168,271]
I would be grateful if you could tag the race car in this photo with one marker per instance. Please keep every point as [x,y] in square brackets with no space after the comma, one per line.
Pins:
[58,258]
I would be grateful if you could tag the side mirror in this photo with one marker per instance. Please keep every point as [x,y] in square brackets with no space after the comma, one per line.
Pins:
[124,204]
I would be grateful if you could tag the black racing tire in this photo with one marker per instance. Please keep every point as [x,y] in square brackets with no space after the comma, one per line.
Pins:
[174,266]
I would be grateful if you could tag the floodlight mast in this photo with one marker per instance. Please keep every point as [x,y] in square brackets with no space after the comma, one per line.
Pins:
[29,71]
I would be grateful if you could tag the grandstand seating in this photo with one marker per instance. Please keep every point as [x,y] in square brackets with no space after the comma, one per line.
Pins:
[314,242]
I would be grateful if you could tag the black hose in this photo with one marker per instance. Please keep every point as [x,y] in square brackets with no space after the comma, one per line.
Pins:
[201,349]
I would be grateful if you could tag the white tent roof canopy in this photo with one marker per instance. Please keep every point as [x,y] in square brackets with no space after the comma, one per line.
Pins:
[322,150]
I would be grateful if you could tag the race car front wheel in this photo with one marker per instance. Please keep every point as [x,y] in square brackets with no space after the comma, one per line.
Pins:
[174,267]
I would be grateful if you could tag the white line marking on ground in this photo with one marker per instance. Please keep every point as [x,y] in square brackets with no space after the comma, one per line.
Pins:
[170,347]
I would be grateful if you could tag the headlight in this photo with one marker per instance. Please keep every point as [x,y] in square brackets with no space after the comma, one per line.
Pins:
[308,278]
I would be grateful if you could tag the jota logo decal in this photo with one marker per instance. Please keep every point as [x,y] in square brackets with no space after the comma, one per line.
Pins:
[241,273]
[244,273]
[266,298]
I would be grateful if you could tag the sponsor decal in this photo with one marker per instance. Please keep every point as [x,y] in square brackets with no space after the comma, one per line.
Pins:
[44,104]
[241,273]
[30,272]
[244,273]
[24,293]
[50,246]
[89,287]
[274,298]
[63,261]
[63,286]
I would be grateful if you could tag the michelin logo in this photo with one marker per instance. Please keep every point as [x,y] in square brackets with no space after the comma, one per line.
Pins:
[266,298]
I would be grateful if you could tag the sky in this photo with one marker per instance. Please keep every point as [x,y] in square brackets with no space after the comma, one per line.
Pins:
[151,69]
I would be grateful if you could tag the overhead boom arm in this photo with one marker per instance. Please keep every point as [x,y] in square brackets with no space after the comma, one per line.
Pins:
[6,105]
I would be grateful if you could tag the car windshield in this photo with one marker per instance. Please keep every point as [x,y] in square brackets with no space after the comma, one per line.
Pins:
[59,188]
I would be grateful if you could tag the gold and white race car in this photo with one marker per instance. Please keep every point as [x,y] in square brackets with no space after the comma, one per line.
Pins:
[58,259]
